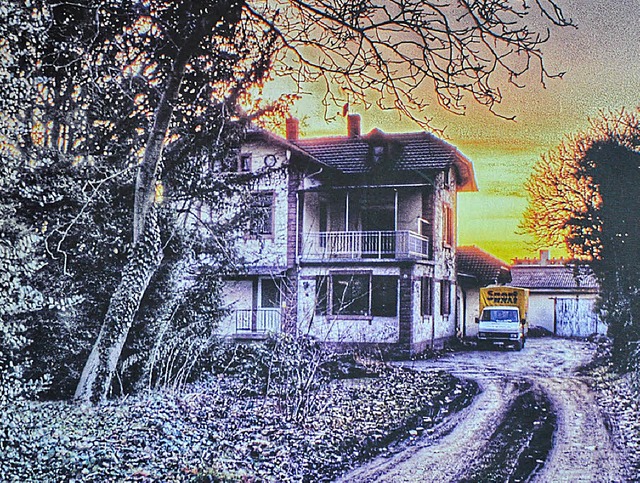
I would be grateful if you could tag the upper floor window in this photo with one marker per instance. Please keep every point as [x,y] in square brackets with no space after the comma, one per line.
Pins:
[448,226]
[261,216]
[244,162]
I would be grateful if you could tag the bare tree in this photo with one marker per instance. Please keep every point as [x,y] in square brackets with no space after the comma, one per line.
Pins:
[393,53]
[565,198]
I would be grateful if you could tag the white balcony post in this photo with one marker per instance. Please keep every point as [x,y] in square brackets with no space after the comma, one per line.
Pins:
[395,211]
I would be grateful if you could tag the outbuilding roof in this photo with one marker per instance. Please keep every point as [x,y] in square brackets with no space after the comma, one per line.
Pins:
[553,277]
[486,268]
[407,152]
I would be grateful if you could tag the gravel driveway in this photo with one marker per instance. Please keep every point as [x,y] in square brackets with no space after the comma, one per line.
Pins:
[535,420]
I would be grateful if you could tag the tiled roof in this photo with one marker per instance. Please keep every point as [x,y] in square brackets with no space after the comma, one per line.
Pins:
[483,266]
[406,152]
[552,277]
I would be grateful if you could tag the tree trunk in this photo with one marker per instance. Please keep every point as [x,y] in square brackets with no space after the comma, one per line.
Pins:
[146,255]
[100,367]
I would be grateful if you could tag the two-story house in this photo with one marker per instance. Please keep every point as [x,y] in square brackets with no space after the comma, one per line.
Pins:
[354,241]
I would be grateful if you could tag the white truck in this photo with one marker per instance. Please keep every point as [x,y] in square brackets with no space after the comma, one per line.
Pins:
[503,316]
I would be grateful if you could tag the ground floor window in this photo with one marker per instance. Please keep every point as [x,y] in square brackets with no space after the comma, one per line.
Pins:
[270,293]
[445,297]
[426,296]
[357,294]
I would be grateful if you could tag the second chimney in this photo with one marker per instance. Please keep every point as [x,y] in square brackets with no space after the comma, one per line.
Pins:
[293,129]
[353,125]
[545,256]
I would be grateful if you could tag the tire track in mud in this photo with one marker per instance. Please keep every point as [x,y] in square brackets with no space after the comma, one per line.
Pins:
[583,450]
[520,444]
[533,421]
[443,454]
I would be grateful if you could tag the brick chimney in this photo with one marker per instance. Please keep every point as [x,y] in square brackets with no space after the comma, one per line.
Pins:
[353,125]
[293,129]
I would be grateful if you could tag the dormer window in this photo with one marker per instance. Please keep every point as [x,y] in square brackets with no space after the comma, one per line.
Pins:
[447,178]
[377,154]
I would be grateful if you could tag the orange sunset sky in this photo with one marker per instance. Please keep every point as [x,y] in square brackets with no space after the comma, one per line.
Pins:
[601,61]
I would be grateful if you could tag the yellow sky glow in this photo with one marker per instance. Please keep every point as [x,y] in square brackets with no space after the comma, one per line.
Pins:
[600,59]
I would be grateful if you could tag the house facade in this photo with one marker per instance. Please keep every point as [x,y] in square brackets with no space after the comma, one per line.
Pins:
[355,242]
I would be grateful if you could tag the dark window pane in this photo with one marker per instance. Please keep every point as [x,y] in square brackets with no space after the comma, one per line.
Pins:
[445,297]
[321,295]
[384,299]
[262,214]
[426,296]
[270,294]
[244,163]
[350,294]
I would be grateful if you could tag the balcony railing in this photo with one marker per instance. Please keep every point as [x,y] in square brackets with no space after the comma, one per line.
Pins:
[364,244]
[260,321]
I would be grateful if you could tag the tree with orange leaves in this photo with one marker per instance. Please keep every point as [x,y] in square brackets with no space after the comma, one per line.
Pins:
[585,195]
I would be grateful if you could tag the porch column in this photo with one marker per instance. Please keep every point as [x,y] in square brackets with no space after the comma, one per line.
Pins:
[346,212]
[405,312]
[395,210]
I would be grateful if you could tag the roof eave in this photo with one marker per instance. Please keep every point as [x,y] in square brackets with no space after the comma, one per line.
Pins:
[466,173]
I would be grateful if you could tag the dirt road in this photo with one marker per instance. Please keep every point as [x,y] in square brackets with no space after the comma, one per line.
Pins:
[535,420]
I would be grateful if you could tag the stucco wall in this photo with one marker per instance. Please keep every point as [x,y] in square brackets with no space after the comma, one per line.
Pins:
[236,295]
[472,311]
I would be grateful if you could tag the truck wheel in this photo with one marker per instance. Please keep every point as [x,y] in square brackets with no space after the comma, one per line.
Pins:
[519,345]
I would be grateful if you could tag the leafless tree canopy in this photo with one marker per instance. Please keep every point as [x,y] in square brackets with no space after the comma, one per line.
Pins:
[389,53]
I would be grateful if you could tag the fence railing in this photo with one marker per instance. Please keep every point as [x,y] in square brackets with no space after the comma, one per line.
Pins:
[364,244]
[258,320]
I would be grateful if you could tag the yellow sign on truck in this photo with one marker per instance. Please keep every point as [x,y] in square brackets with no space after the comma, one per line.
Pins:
[503,315]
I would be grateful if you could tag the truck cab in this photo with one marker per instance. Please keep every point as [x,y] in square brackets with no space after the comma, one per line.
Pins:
[501,325]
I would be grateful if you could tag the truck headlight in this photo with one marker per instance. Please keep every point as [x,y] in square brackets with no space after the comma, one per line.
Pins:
[513,336]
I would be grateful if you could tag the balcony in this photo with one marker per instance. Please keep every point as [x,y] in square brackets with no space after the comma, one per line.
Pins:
[250,322]
[356,245]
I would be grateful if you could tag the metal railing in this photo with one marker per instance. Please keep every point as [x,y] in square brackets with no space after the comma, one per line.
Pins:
[364,244]
[258,320]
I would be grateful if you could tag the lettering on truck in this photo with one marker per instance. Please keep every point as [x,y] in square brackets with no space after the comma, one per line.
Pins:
[503,298]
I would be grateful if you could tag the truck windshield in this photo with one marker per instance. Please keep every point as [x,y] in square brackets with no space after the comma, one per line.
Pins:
[498,315]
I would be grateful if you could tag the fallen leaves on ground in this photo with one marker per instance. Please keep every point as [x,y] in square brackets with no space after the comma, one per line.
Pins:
[208,433]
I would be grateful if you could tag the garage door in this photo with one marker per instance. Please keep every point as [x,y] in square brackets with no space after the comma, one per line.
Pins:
[577,318]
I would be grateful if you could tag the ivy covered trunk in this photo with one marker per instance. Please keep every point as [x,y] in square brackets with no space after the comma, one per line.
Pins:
[144,260]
